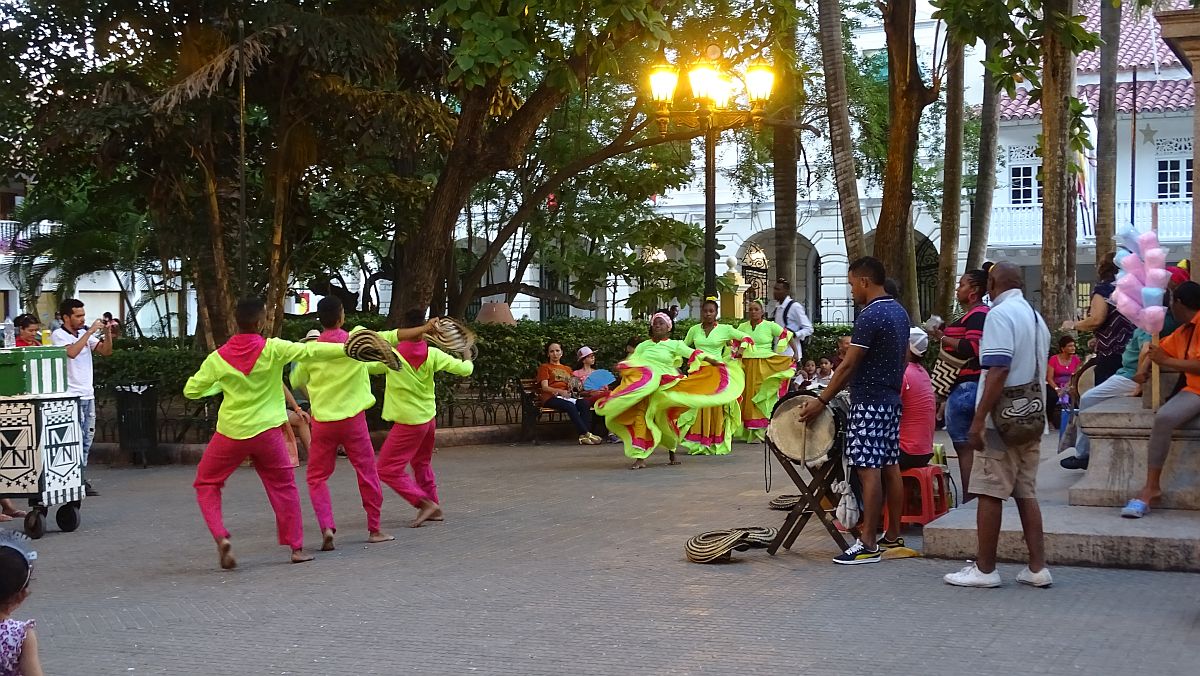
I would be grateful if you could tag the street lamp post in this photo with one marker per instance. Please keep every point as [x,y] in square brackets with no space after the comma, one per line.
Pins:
[712,93]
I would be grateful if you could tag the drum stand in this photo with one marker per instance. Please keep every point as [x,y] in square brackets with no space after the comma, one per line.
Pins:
[813,492]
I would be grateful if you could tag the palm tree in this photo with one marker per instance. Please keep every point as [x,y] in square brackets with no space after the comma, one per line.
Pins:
[1106,129]
[985,184]
[833,62]
[952,181]
[1058,205]
[783,157]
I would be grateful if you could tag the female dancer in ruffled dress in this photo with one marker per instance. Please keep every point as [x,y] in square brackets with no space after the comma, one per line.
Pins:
[644,409]
[767,372]
[709,431]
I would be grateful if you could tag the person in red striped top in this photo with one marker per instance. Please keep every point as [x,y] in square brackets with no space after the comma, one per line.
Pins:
[961,339]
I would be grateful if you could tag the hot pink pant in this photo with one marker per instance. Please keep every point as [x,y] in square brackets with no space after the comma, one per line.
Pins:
[269,453]
[409,445]
[353,435]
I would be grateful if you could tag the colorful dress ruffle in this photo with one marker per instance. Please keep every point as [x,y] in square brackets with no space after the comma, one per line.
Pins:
[645,407]
[709,431]
[767,374]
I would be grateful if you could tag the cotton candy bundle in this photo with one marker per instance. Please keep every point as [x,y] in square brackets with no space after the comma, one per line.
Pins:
[1139,293]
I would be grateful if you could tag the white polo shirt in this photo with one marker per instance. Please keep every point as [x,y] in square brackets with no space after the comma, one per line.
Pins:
[79,369]
[1016,336]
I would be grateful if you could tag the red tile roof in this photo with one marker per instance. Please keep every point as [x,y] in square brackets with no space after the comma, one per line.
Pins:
[1140,43]
[1154,96]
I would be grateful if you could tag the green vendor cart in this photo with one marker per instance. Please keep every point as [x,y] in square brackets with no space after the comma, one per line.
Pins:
[41,442]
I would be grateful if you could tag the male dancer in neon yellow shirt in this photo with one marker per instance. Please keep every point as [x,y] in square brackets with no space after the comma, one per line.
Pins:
[409,404]
[248,370]
[340,393]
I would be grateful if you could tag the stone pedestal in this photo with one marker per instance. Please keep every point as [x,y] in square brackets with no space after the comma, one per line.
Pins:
[733,303]
[1120,430]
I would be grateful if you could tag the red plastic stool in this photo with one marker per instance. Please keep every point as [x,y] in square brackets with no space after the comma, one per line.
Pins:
[931,488]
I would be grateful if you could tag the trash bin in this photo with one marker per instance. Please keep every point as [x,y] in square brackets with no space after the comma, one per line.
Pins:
[137,422]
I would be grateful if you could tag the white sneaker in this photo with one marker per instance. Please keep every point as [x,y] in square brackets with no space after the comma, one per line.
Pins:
[1039,579]
[973,577]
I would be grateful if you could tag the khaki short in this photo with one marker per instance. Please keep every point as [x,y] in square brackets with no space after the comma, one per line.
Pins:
[1002,472]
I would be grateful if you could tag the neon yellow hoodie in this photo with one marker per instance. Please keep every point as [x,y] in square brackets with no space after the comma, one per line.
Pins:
[338,388]
[253,401]
[409,398]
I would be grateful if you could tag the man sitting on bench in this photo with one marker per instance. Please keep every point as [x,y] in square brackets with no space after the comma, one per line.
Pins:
[1178,352]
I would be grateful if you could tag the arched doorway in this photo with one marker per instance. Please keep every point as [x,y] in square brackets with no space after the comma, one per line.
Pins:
[756,270]
[759,270]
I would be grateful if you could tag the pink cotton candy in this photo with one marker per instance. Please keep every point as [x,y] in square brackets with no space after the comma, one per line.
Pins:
[1126,305]
[1147,241]
[1151,319]
[1155,259]
[1130,286]
[1134,266]
[1158,278]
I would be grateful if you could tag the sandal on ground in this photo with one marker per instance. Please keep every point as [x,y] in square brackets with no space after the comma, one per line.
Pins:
[1135,509]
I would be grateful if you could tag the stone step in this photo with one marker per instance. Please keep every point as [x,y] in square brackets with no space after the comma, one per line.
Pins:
[1166,539]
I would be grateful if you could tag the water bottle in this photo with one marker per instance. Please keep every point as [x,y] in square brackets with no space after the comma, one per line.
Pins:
[10,333]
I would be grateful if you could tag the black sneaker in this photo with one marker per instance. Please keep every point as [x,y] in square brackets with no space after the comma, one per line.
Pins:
[885,543]
[858,554]
[89,491]
[1073,462]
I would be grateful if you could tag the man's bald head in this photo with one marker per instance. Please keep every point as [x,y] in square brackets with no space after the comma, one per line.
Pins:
[1004,277]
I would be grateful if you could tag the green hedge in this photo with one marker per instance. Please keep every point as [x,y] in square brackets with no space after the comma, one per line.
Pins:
[169,367]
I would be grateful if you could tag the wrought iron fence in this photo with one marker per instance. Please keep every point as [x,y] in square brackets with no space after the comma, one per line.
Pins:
[188,421]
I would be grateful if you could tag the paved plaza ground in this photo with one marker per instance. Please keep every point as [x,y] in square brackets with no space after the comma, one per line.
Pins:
[557,560]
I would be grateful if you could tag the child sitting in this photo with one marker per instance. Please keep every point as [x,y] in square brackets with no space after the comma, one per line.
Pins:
[18,642]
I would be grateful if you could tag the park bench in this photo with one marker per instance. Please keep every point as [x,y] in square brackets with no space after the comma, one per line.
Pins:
[532,412]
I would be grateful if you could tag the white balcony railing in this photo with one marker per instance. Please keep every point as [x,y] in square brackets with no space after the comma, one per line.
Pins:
[1022,225]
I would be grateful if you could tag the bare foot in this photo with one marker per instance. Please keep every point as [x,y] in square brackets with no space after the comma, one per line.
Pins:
[640,463]
[327,540]
[428,510]
[1150,497]
[380,536]
[225,552]
[300,556]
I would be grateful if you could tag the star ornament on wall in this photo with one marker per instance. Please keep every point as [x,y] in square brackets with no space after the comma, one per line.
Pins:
[1148,134]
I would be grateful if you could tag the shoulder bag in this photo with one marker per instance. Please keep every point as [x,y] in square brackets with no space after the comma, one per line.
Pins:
[1020,414]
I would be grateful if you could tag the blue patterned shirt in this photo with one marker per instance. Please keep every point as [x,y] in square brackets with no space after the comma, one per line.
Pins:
[882,330]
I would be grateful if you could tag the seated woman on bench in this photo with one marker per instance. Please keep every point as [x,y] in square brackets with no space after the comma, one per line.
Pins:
[554,391]
[1178,352]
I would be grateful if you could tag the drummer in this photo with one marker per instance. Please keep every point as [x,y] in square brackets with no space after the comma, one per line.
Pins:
[874,370]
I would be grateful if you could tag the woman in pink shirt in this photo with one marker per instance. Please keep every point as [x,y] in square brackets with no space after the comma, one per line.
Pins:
[918,406]
[1059,371]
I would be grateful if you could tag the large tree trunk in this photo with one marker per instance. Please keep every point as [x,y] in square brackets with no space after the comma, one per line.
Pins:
[952,182]
[907,97]
[841,146]
[783,162]
[219,295]
[1058,214]
[985,182]
[277,267]
[1106,131]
